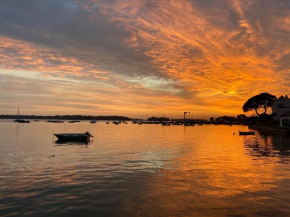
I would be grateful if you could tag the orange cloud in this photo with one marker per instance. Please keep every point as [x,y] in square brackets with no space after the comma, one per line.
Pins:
[152,56]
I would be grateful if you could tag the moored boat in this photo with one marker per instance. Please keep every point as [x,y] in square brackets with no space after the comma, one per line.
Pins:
[177,123]
[73,137]
[189,124]
[246,133]
[50,121]
[21,121]
[93,121]
[166,124]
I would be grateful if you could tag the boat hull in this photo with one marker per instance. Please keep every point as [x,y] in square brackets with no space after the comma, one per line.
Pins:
[73,137]
[246,133]
[21,121]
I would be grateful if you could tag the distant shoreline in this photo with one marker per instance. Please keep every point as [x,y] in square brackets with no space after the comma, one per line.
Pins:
[65,117]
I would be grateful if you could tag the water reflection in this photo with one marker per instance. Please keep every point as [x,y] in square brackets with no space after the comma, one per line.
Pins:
[148,170]
[274,147]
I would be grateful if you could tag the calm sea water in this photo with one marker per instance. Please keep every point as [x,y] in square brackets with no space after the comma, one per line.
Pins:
[147,170]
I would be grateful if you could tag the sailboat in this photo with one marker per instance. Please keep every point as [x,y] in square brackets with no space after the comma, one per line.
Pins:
[20,120]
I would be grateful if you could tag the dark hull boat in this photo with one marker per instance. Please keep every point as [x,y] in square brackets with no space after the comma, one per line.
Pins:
[246,133]
[73,137]
[21,121]
[55,121]
[189,124]
[166,124]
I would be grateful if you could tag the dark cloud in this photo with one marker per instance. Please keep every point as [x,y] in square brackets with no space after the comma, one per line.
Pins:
[69,28]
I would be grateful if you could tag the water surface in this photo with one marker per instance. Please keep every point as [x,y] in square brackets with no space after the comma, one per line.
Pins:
[142,170]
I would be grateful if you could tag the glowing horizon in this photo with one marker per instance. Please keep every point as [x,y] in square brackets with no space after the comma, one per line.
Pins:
[143,57]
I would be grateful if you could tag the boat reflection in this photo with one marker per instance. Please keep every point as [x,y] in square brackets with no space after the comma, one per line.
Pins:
[63,143]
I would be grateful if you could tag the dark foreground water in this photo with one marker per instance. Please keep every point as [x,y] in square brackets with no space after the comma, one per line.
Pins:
[147,170]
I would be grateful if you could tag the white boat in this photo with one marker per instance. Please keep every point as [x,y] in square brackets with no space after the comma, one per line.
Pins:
[93,121]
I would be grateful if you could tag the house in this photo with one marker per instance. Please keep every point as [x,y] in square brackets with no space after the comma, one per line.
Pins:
[284,119]
[280,106]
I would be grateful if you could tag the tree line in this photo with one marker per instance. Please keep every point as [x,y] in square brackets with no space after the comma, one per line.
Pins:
[66,117]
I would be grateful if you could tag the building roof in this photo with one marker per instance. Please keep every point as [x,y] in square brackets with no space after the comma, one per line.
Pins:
[285,114]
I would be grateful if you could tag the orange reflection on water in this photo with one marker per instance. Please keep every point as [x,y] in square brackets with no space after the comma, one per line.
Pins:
[212,175]
[138,170]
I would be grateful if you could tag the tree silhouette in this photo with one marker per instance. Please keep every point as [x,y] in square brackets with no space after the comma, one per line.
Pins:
[261,101]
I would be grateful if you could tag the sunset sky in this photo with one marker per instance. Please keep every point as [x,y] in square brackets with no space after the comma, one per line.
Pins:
[141,57]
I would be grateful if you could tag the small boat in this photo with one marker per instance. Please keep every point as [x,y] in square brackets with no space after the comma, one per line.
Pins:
[55,121]
[166,124]
[189,124]
[93,121]
[246,133]
[107,122]
[73,137]
[177,123]
[21,121]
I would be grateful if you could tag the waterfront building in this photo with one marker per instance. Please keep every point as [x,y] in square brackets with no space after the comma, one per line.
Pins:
[280,106]
[284,119]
